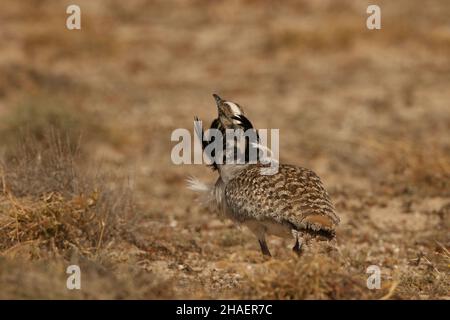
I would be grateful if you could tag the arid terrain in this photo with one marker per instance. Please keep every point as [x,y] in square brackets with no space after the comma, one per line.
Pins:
[86,176]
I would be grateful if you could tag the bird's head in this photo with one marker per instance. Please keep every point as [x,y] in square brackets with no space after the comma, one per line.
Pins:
[229,113]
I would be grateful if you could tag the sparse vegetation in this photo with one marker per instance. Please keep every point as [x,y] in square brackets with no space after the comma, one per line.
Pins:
[48,200]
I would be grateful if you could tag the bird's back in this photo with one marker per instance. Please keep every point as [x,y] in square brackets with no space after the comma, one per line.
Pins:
[294,196]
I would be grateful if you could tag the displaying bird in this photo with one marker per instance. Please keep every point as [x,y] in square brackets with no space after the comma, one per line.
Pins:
[290,203]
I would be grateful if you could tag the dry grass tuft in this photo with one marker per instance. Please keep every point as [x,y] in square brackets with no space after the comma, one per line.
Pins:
[46,200]
[54,222]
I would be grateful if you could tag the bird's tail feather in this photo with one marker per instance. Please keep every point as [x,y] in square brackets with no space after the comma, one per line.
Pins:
[196,185]
[206,191]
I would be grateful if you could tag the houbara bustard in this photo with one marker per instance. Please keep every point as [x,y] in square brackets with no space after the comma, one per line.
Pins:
[291,202]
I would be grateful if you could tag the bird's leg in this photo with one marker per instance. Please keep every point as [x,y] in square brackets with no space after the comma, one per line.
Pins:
[264,249]
[298,243]
[298,246]
[260,232]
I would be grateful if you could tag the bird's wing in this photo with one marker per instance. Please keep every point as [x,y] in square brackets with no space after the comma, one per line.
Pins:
[292,196]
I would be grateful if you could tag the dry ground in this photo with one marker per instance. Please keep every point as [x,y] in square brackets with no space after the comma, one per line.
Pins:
[367,110]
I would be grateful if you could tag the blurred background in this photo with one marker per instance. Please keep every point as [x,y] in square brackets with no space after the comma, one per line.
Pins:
[86,117]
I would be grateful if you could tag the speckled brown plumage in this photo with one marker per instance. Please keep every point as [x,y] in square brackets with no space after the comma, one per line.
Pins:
[294,197]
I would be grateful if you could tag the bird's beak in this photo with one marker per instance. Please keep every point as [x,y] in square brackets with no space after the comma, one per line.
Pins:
[219,104]
[218,99]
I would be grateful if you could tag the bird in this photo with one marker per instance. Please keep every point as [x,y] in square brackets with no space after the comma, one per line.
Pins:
[292,202]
